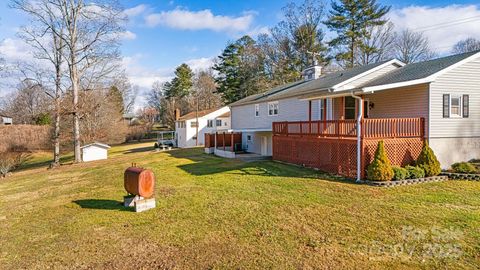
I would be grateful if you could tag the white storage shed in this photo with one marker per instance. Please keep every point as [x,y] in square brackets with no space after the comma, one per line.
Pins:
[94,151]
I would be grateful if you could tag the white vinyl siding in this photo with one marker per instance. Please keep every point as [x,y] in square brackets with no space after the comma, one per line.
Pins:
[462,80]
[291,109]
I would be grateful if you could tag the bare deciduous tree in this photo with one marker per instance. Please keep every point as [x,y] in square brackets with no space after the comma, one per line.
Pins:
[42,35]
[27,103]
[466,45]
[91,36]
[410,47]
[377,46]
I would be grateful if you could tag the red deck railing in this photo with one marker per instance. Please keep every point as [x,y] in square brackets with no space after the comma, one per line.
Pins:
[371,128]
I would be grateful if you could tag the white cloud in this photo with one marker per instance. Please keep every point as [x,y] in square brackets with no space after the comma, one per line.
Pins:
[200,63]
[127,35]
[258,31]
[200,20]
[444,32]
[135,11]
[15,50]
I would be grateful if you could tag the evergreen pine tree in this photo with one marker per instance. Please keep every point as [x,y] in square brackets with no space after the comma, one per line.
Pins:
[380,169]
[428,161]
[181,85]
[351,20]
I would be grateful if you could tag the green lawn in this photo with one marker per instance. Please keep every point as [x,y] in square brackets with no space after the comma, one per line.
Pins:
[218,213]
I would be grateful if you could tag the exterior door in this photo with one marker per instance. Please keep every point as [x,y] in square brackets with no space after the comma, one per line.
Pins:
[264,143]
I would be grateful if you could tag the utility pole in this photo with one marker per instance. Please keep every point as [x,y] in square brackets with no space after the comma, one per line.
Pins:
[196,119]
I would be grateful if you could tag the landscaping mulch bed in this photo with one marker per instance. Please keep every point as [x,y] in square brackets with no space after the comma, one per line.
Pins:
[462,176]
[405,182]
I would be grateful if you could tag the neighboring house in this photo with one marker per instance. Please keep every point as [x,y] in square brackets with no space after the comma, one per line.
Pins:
[5,120]
[209,121]
[129,118]
[314,122]
[94,151]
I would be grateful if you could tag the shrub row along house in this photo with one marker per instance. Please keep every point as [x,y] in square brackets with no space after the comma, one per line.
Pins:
[334,121]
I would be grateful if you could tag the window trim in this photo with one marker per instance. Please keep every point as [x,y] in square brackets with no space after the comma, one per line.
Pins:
[216,122]
[273,110]
[257,110]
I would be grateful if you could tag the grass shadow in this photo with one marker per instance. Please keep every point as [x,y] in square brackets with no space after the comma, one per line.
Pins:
[139,150]
[204,164]
[102,204]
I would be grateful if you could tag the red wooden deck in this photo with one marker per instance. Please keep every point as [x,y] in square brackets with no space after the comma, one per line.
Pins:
[332,145]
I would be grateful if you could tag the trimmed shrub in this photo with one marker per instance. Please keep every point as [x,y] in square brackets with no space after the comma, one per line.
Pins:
[415,172]
[156,146]
[399,173]
[464,167]
[380,169]
[428,161]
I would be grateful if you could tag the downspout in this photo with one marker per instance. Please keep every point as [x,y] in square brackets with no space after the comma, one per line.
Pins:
[359,136]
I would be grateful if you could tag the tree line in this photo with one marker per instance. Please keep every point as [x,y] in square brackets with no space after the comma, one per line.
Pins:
[75,82]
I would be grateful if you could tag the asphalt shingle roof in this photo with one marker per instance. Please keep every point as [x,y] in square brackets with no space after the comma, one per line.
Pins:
[324,82]
[419,70]
[193,115]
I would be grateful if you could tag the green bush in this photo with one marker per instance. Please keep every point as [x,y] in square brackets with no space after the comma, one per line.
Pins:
[464,167]
[380,169]
[415,172]
[428,161]
[156,146]
[399,173]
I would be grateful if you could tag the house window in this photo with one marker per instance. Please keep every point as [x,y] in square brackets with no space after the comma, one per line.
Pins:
[349,108]
[249,138]
[273,108]
[456,106]
[209,123]
[257,110]
[219,123]
[321,110]
[193,124]
[181,124]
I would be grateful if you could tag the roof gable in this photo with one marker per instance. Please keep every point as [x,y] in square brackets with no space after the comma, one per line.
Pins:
[417,73]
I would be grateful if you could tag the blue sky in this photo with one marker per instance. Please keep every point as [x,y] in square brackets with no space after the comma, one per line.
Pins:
[163,34]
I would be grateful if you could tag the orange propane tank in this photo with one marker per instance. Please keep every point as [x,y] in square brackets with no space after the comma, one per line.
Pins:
[138,181]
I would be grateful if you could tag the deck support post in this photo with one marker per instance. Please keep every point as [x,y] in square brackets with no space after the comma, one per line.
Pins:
[359,136]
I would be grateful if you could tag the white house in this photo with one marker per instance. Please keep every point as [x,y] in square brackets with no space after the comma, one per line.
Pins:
[94,151]
[5,120]
[209,121]
[309,121]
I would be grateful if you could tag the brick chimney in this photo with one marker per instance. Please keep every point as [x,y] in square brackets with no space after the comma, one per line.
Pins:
[177,114]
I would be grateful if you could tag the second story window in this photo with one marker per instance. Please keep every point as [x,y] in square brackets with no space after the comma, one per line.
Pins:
[193,124]
[273,108]
[257,110]
[209,123]
[219,123]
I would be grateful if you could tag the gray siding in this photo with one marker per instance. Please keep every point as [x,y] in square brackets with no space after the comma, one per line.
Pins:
[464,79]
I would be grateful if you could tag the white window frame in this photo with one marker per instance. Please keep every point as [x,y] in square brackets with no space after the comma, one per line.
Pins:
[321,107]
[460,106]
[257,110]
[216,122]
[273,103]
[249,138]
